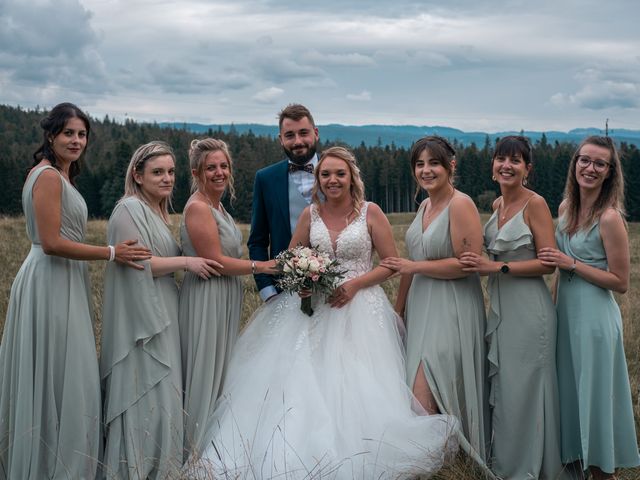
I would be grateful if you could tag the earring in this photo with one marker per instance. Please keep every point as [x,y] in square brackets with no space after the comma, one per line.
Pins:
[525,181]
[494,178]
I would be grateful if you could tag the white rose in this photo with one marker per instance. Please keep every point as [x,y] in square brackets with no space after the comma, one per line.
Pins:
[306,252]
[286,268]
[314,266]
[303,263]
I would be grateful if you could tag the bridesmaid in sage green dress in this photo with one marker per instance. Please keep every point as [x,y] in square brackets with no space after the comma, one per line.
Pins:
[443,305]
[209,309]
[596,410]
[140,355]
[521,323]
[49,382]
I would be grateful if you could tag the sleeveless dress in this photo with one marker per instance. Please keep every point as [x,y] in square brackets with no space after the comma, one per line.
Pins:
[597,423]
[521,334]
[140,356]
[445,335]
[324,396]
[49,380]
[209,323]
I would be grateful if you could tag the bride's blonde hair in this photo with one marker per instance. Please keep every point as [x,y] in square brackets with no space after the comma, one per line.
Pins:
[357,186]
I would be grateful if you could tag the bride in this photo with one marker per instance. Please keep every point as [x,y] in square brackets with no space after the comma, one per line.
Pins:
[324,396]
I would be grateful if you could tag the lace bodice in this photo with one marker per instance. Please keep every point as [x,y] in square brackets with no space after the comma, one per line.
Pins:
[352,245]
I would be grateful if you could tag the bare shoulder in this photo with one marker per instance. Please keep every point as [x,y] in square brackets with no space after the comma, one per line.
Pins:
[612,218]
[537,204]
[462,202]
[48,178]
[375,213]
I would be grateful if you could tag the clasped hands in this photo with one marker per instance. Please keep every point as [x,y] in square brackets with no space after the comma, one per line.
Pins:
[340,296]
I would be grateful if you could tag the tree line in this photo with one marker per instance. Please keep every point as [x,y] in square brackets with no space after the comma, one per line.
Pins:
[385,169]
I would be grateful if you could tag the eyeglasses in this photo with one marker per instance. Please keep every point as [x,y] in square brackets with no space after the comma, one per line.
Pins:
[598,165]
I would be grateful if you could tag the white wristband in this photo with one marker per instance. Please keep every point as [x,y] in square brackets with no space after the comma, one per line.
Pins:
[112,253]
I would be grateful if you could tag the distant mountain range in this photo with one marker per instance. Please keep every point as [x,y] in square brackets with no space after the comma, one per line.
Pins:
[405,135]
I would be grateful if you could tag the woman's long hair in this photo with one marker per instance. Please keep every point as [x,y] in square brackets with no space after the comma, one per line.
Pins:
[611,193]
[51,126]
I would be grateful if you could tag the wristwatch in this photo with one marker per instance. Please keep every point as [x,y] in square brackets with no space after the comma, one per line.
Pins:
[504,268]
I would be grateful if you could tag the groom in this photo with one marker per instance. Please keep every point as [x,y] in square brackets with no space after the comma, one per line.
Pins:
[282,190]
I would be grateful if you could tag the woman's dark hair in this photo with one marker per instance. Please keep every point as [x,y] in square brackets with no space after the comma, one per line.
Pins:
[439,148]
[52,125]
[514,145]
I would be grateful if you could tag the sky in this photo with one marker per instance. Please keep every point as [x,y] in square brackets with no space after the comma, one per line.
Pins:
[475,65]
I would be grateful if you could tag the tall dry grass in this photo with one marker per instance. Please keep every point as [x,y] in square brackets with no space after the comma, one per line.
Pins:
[14,247]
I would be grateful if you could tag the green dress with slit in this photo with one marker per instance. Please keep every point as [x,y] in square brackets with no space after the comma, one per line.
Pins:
[445,335]
[209,323]
[49,380]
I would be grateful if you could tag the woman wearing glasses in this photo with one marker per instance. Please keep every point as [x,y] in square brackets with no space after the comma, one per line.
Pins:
[597,425]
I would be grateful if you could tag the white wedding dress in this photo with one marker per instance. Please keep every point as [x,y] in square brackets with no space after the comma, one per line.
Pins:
[323,397]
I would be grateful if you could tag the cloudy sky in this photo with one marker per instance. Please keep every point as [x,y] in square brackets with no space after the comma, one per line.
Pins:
[475,65]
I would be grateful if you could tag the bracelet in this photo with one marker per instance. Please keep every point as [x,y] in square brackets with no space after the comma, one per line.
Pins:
[112,253]
[253,267]
[572,270]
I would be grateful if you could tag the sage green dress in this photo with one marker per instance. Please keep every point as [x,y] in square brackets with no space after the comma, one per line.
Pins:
[521,335]
[49,380]
[445,335]
[595,397]
[209,322]
[140,356]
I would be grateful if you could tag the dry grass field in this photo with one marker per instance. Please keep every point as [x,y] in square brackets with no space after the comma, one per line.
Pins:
[14,247]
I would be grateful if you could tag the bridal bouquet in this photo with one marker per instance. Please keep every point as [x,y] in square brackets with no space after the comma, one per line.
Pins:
[305,268]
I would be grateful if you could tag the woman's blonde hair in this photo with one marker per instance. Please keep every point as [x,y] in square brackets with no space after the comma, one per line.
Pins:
[357,186]
[198,152]
[139,159]
[611,193]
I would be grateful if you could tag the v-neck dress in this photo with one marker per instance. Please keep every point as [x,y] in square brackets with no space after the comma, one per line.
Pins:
[595,397]
[445,334]
[521,334]
[209,323]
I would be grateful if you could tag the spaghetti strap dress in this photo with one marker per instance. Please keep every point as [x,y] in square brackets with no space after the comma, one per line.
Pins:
[445,335]
[209,323]
[521,334]
[596,410]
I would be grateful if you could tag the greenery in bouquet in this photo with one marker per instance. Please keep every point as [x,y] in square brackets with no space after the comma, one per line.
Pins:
[305,269]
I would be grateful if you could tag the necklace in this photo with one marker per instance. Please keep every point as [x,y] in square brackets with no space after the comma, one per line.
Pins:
[504,208]
[219,208]
[433,209]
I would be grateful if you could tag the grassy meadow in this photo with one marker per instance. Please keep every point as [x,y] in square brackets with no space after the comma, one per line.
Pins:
[14,247]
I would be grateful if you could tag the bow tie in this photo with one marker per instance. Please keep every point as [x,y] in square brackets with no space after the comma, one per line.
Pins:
[296,168]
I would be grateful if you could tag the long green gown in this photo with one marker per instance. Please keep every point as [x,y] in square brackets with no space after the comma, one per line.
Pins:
[209,322]
[445,335]
[140,355]
[597,425]
[521,334]
[49,380]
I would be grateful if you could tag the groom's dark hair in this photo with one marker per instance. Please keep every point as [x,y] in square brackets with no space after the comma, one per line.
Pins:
[295,112]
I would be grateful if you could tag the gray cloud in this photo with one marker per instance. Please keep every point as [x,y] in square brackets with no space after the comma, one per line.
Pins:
[478,65]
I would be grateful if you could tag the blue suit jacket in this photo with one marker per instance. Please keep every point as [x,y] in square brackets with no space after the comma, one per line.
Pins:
[270,226]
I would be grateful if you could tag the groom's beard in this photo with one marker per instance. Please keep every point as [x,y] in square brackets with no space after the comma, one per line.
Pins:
[304,157]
